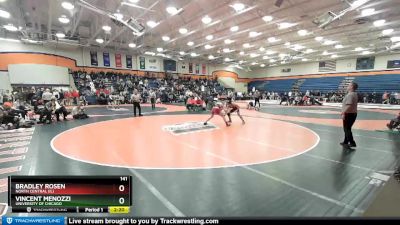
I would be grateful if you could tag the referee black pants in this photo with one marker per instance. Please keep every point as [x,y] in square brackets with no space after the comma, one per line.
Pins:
[348,121]
[255,102]
[136,105]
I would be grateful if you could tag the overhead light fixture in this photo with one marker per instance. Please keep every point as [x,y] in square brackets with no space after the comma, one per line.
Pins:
[387,31]
[367,12]
[358,3]
[267,18]
[297,47]
[302,32]
[272,60]
[227,59]
[254,63]
[253,34]
[262,65]
[208,46]
[132,45]
[206,20]
[100,40]
[287,44]
[329,42]
[190,43]
[173,11]
[265,57]
[234,28]
[366,52]
[246,45]
[165,38]
[261,49]
[60,35]
[282,55]
[150,53]
[253,55]
[395,39]
[285,25]
[118,15]
[183,30]
[269,52]
[106,28]
[319,38]
[309,51]
[358,49]
[134,1]
[4,14]
[67,5]
[338,46]
[334,56]
[10,27]
[63,19]
[228,41]
[272,39]
[238,7]
[193,54]
[160,49]
[379,23]
[151,23]
[325,53]
[304,60]
[241,53]
[209,37]
[211,57]
[181,53]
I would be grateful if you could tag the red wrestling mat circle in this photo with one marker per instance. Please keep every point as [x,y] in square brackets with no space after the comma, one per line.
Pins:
[170,142]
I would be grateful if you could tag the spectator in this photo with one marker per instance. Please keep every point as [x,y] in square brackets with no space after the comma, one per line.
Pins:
[78,112]
[46,96]
[394,123]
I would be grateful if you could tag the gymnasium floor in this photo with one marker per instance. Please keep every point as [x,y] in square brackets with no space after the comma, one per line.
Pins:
[285,161]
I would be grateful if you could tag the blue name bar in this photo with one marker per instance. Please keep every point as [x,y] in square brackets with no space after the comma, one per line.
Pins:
[15,220]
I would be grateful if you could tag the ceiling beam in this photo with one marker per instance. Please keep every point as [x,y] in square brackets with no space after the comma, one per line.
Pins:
[77,21]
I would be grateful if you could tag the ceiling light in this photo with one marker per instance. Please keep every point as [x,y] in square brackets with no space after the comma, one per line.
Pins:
[319,38]
[190,43]
[134,1]
[60,35]
[285,25]
[241,53]
[254,63]
[366,53]
[302,32]
[106,28]
[367,12]
[338,46]
[211,57]
[387,31]
[206,20]
[234,28]
[309,50]
[379,23]
[183,30]
[63,19]
[160,49]
[209,37]
[269,52]
[238,7]
[395,39]
[226,50]
[165,38]
[334,56]
[4,14]
[358,49]
[287,44]
[272,39]
[246,45]
[298,47]
[150,53]
[118,15]
[172,10]
[304,60]
[282,55]
[67,5]
[267,18]
[261,49]
[265,57]
[228,41]
[10,27]
[325,53]
[262,65]
[227,59]
[358,3]
[208,46]
[253,34]
[100,40]
[253,55]
[241,61]
[151,23]
[132,45]
[272,60]
[193,54]
[182,53]
[329,42]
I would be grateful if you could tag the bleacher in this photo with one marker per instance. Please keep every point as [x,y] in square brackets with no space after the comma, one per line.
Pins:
[273,85]
[378,83]
[324,84]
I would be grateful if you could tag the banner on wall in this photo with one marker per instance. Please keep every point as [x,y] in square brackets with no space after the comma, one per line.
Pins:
[190,67]
[203,69]
[142,63]
[106,59]
[197,68]
[118,62]
[93,58]
[129,61]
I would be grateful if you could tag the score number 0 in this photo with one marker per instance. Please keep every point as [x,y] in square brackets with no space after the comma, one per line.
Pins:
[121,188]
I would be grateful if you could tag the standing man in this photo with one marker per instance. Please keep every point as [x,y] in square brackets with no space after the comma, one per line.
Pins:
[136,98]
[257,96]
[349,114]
[153,97]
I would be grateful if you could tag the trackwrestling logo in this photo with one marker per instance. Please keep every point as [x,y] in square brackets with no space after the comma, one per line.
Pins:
[188,127]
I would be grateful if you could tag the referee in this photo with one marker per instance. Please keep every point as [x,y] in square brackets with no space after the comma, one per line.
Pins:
[136,98]
[349,114]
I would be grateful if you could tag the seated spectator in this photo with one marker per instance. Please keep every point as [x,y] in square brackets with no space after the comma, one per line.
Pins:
[385,98]
[9,116]
[78,112]
[394,123]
